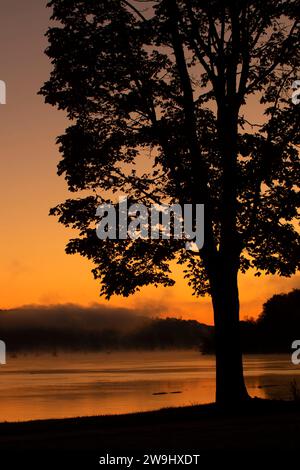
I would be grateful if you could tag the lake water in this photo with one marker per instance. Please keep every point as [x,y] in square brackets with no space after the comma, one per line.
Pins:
[68,385]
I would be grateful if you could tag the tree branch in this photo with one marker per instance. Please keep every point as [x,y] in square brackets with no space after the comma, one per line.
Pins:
[276,62]
[133,8]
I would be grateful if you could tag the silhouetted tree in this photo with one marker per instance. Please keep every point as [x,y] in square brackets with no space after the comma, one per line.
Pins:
[156,93]
[279,324]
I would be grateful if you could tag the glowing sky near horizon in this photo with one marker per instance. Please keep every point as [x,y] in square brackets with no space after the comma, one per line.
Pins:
[34,267]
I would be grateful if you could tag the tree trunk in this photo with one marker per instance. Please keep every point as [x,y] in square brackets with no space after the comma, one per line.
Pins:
[230,385]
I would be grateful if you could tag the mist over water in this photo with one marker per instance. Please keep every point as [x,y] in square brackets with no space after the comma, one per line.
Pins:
[68,385]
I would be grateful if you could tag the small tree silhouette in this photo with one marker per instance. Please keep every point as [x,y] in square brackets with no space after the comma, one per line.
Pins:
[157,99]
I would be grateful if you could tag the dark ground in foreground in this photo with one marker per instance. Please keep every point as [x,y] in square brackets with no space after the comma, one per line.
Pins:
[259,425]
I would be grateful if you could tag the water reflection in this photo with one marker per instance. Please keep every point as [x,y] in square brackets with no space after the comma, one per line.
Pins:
[92,384]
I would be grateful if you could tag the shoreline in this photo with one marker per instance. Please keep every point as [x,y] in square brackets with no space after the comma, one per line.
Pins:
[258,425]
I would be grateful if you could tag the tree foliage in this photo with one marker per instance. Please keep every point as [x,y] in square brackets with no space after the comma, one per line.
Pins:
[159,95]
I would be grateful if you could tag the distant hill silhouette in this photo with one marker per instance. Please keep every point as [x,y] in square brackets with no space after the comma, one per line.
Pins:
[97,328]
[74,328]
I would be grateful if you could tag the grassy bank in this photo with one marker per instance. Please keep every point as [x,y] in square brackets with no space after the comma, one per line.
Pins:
[259,425]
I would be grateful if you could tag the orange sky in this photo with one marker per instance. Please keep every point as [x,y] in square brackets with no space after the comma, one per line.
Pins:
[34,267]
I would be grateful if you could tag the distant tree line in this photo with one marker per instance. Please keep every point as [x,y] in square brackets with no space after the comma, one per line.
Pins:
[274,330]
[148,334]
